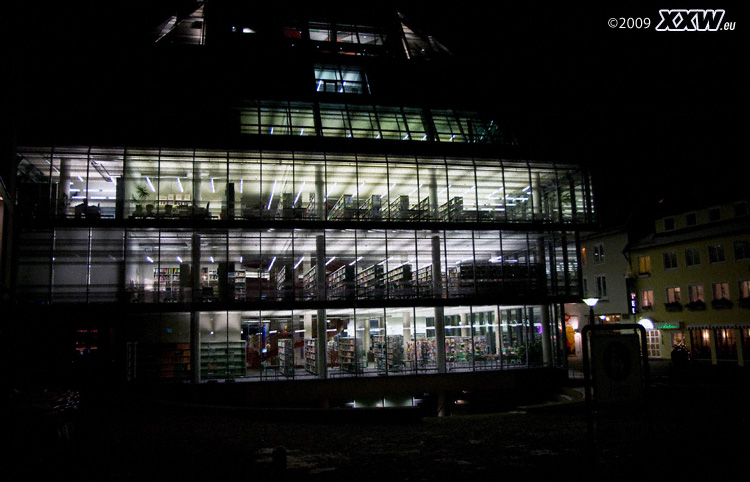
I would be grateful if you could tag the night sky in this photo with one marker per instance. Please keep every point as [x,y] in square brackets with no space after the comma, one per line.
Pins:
[655,113]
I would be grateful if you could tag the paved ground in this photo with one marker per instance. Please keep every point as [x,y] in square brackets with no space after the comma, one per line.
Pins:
[689,426]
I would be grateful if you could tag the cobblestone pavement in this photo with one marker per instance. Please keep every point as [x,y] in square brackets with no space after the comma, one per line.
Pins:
[687,426]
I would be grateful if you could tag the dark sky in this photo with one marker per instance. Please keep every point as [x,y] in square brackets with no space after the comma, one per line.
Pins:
[659,114]
[654,112]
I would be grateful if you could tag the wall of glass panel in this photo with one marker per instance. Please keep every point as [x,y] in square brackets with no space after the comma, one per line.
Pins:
[217,185]
[359,342]
[160,265]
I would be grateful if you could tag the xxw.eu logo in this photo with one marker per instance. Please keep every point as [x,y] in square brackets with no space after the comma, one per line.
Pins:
[690,20]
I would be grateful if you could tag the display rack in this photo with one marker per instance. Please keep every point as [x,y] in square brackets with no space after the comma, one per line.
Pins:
[421,352]
[370,284]
[349,350]
[341,283]
[286,357]
[162,361]
[222,359]
[344,208]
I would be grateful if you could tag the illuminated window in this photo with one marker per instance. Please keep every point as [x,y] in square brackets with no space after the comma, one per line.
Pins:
[653,343]
[340,79]
[720,291]
[644,265]
[695,293]
[744,289]
[673,294]
[647,299]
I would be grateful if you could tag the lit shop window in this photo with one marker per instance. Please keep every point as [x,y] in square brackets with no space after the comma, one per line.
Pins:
[340,79]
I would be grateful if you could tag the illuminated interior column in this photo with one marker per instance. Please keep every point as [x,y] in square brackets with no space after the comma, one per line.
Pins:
[320,204]
[498,332]
[321,330]
[536,192]
[437,289]
[307,319]
[408,334]
[63,188]
[465,325]
[434,215]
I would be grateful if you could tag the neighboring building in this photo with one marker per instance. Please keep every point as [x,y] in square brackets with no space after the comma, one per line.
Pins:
[693,278]
[604,276]
[332,189]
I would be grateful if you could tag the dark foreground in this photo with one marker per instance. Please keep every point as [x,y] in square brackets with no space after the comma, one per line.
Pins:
[690,427]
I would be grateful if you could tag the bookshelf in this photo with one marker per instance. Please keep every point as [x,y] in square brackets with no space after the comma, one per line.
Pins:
[370,209]
[286,357]
[370,284]
[167,281]
[309,284]
[349,349]
[310,365]
[222,359]
[285,282]
[344,208]
[421,212]
[238,285]
[399,282]
[389,352]
[452,210]
[399,208]
[341,283]
[163,361]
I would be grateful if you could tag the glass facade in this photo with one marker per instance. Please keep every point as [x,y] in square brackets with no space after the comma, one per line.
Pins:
[132,183]
[404,264]
[344,226]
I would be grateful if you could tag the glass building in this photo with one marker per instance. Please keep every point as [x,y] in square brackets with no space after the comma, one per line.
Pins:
[330,224]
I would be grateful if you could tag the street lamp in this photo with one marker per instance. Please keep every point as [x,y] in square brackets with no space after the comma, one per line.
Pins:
[591,302]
